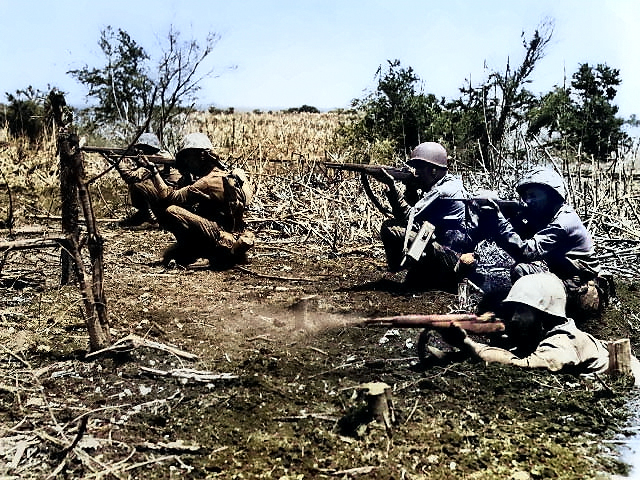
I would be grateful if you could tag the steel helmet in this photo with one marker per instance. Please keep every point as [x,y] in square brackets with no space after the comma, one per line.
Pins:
[148,140]
[430,152]
[196,140]
[193,141]
[542,291]
[546,177]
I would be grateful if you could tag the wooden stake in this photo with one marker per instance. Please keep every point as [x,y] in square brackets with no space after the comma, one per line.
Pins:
[620,357]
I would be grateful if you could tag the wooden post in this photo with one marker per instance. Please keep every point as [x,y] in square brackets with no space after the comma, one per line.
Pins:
[91,285]
[620,357]
[301,311]
[70,209]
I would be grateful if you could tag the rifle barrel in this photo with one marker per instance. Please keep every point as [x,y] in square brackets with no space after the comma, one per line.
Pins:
[466,321]
[396,173]
[121,152]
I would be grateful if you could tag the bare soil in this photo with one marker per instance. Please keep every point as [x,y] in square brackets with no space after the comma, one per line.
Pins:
[285,328]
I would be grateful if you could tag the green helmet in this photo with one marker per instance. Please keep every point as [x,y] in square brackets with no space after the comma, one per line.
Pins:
[543,291]
[430,152]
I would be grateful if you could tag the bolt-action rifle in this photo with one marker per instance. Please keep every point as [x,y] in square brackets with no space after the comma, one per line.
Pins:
[112,153]
[485,323]
[479,324]
[401,174]
[405,175]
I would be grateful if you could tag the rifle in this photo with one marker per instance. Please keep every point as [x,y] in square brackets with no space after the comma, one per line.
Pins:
[478,324]
[111,152]
[404,174]
[509,208]
[401,174]
[485,323]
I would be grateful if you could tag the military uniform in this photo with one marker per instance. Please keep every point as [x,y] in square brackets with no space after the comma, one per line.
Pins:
[206,216]
[551,240]
[142,192]
[552,340]
[438,266]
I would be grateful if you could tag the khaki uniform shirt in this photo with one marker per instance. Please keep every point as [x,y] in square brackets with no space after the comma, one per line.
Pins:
[565,349]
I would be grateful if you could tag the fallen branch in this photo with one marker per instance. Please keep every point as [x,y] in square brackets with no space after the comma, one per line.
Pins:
[131,342]
[274,277]
[31,243]
[190,374]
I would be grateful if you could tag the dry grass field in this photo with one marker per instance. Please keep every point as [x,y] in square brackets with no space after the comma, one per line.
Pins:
[272,383]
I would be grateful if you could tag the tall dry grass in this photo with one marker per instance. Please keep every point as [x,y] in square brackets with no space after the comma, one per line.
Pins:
[299,200]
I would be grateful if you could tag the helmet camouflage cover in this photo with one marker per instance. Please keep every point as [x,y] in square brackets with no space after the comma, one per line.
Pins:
[193,141]
[149,140]
[546,177]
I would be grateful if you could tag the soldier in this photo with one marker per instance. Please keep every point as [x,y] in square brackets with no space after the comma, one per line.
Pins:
[206,216]
[549,237]
[541,333]
[443,262]
[141,189]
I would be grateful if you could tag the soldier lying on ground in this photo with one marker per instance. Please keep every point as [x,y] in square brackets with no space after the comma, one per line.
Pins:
[443,262]
[549,237]
[141,188]
[206,216]
[541,333]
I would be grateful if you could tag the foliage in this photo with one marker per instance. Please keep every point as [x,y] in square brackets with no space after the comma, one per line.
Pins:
[476,126]
[122,87]
[131,91]
[396,112]
[481,123]
[584,114]
[27,114]
[303,109]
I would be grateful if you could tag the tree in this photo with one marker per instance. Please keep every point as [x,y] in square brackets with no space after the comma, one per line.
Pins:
[122,87]
[27,114]
[583,114]
[130,90]
[481,120]
[395,112]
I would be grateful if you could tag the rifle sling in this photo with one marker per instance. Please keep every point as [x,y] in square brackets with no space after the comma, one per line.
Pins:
[364,178]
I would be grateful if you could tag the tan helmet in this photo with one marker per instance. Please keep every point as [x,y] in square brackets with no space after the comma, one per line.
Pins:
[542,291]
[192,141]
[196,140]
[543,176]
[148,141]
[430,152]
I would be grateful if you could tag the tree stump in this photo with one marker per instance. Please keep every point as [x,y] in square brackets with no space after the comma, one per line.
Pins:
[379,403]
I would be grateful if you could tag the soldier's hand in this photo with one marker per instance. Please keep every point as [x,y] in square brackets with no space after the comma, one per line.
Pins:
[486,201]
[454,335]
[385,177]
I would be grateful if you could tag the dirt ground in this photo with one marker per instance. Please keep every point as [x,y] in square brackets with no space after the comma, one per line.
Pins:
[276,390]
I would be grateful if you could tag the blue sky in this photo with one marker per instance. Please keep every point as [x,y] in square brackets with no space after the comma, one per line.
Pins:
[287,53]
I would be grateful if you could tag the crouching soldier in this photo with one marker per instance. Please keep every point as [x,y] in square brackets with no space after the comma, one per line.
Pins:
[142,192]
[541,334]
[206,215]
[428,215]
[549,237]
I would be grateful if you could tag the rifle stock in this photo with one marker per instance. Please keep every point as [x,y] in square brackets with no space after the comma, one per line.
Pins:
[485,323]
[111,152]
[400,174]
